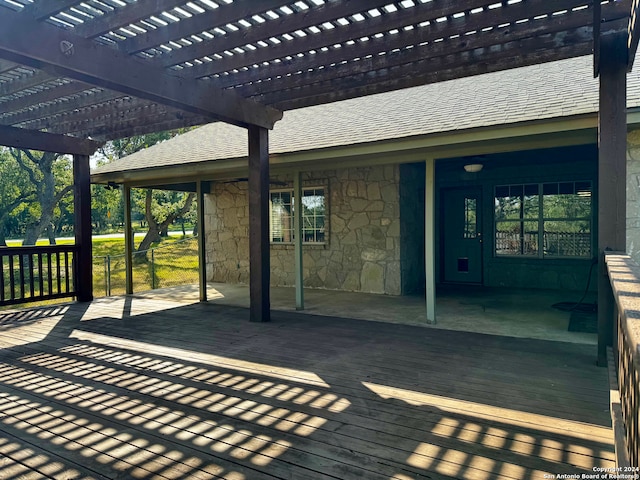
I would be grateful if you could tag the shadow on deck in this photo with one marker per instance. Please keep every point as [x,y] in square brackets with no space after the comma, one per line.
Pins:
[141,388]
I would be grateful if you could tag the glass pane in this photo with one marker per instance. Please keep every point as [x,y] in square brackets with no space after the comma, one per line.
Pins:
[313,214]
[507,208]
[281,221]
[517,202]
[567,238]
[569,203]
[508,238]
[470,218]
[530,238]
[516,238]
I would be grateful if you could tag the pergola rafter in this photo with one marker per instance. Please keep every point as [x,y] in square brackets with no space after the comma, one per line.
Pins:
[208,21]
[421,41]
[284,53]
[83,60]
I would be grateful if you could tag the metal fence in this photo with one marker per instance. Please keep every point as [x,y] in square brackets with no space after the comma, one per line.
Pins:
[160,267]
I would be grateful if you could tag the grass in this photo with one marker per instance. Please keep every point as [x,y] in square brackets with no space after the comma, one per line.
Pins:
[174,262]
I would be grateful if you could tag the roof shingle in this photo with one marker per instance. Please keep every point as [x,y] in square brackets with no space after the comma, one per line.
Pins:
[545,91]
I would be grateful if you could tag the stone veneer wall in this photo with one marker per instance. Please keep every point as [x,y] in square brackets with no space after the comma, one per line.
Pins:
[362,252]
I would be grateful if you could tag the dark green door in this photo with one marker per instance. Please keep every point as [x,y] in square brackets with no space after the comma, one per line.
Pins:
[462,237]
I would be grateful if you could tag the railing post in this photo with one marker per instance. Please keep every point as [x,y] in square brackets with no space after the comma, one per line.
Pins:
[108,275]
[106,287]
[153,270]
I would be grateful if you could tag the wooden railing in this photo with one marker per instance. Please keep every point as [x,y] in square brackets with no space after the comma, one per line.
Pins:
[31,274]
[624,277]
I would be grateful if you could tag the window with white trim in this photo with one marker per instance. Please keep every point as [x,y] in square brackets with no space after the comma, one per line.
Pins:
[281,207]
[543,220]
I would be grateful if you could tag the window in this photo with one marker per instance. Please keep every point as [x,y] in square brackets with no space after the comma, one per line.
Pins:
[543,220]
[282,204]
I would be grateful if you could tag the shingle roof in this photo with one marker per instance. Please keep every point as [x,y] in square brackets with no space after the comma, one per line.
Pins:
[551,90]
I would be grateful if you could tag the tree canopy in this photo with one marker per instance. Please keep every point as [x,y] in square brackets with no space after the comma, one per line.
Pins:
[36,196]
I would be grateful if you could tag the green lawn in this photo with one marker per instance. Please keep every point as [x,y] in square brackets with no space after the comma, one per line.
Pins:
[172,262]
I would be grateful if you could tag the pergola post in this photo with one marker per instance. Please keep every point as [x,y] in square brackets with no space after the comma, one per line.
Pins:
[612,145]
[128,240]
[298,240]
[202,257]
[259,275]
[82,208]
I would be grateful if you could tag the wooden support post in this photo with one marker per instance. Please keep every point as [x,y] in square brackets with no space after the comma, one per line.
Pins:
[82,209]
[430,240]
[202,257]
[612,175]
[259,275]
[128,240]
[298,238]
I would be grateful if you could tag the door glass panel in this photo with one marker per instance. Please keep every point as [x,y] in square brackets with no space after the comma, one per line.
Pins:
[470,218]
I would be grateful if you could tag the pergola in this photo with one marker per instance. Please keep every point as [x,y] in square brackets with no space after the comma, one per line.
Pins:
[74,73]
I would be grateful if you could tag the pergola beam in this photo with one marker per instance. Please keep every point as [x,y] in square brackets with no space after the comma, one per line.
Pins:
[47,142]
[75,57]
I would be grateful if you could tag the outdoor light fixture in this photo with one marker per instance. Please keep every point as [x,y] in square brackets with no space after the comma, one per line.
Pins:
[473,167]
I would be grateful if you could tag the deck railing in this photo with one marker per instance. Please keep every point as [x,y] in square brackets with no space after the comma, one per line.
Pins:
[624,276]
[31,274]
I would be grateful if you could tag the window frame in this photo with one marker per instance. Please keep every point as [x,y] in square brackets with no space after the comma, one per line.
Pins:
[540,219]
[313,187]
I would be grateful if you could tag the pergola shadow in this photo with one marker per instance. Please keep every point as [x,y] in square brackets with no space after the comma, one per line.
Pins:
[108,389]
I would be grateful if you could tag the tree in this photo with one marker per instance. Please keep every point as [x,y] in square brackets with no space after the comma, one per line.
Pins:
[50,175]
[107,206]
[15,190]
[161,208]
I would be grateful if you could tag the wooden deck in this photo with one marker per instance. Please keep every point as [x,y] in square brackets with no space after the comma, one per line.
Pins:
[143,388]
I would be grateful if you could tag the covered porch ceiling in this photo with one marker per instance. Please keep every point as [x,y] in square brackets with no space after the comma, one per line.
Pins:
[106,69]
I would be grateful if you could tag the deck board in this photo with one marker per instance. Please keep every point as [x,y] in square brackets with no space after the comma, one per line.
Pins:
[147,388]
